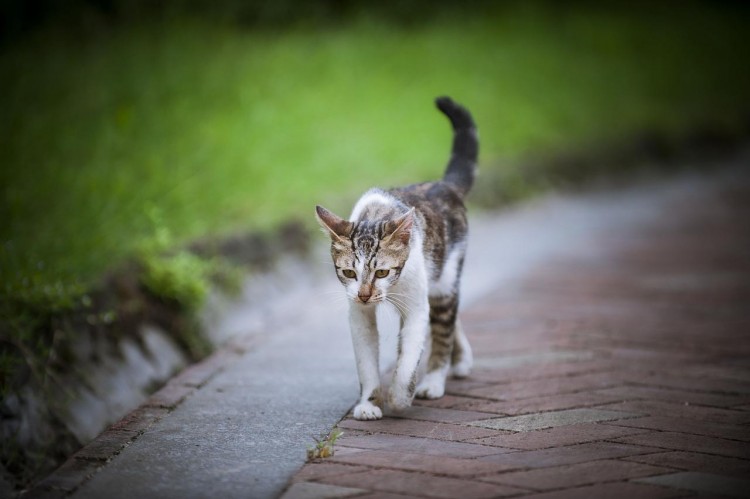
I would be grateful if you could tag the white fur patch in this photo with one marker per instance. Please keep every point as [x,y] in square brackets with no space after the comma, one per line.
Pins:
[374,196]
[462,367]
[444,285]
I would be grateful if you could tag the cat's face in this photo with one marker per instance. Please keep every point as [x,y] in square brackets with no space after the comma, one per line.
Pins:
[368,256]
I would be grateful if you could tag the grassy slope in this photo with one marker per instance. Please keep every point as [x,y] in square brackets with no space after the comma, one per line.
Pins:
[206,130]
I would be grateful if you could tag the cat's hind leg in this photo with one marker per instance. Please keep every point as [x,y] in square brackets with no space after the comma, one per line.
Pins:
[443,313]
[461,358]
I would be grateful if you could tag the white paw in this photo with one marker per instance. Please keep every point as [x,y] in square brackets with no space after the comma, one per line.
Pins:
[398,400]
[367,411]
[462,369]
[431,388]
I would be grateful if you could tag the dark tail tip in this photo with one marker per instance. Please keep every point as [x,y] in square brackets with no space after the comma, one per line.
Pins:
[460,117]
[462,165]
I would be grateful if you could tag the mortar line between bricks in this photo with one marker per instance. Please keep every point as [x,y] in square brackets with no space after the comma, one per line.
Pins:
[671,449]
[553,375]
[672,389]
[653,430]
[647,430]
[586,484]
[655,384]
[525,490]
[560,446]
[567,392]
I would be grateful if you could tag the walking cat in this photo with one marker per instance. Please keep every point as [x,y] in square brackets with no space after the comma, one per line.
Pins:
[406,246]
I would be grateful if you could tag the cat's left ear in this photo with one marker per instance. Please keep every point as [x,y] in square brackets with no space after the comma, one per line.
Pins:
[399,229]
[337,227]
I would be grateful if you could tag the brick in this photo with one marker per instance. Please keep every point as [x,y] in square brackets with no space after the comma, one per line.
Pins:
[681,425]
[439,465]
[317,469]
[440,415]
[572,454]
[551,386]
[704,483]
[616,490]
[661,379]
[40,493]
[422,484]
[531,372]
[692,443]
[427,446]
[341,451]
[530,422]
[106,445]
[670,410]
[199,374]
[140,419]
[426,429]
[386,495]
[693,461]
[312,490]
[576,475]
[461,386]
[170,396]
[541,404]
[683,397]
[560,436]
[526,360]
[449,402]
[69,476]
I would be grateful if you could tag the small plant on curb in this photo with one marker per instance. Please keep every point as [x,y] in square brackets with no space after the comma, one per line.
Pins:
[324,446]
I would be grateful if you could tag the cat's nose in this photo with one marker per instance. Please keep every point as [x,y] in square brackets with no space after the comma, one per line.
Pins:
[365,297]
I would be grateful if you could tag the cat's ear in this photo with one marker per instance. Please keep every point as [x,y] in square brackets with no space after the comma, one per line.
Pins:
[399,229]
[335,226]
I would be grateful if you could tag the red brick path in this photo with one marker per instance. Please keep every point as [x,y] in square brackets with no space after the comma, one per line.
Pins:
[628,376]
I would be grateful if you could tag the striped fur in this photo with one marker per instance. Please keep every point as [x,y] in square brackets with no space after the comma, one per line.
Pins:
[406,247]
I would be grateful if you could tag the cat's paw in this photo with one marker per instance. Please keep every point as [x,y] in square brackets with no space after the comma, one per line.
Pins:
[431,388]
[462,369]
[398,400]
[367,411]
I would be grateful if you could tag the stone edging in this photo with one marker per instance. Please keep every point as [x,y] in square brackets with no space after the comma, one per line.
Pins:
[95,455]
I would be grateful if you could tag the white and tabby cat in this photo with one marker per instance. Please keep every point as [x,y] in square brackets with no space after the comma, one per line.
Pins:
[406,246]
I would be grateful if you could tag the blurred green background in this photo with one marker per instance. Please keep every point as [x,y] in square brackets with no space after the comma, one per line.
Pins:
[122,120]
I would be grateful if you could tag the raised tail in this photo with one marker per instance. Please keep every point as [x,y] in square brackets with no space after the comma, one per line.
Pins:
[462,166]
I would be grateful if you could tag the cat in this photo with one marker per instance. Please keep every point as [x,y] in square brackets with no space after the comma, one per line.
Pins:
[405,246]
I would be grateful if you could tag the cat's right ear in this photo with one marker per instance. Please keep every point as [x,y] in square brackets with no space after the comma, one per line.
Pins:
[335,226]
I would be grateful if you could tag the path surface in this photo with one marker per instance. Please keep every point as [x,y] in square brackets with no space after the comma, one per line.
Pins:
[610,332]
[623,371]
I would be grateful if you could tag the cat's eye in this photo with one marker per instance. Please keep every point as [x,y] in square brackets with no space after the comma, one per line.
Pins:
[349,273]
[380,273]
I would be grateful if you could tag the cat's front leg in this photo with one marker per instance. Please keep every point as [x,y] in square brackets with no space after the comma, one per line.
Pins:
[365,339]
[411,343]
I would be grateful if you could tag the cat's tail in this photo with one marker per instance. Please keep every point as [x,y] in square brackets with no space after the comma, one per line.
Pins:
[462,166]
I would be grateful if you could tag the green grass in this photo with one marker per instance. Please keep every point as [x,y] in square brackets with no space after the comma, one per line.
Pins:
[212,129]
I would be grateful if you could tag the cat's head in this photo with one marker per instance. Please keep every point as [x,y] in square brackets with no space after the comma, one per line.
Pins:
[368,256]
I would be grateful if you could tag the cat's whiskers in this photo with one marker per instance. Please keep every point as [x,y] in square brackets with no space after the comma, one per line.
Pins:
[400,304]
[397,306]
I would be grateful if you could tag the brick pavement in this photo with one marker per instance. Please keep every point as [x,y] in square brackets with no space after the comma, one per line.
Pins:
[622,376]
